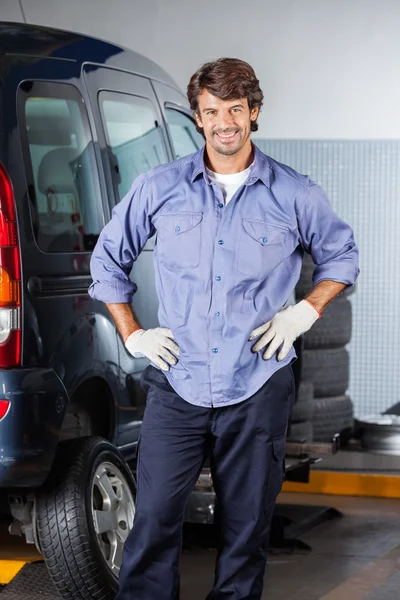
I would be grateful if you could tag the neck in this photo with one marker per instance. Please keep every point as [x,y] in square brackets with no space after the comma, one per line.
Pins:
[228,165]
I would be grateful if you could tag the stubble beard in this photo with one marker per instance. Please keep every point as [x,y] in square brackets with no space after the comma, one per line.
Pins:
[229,150]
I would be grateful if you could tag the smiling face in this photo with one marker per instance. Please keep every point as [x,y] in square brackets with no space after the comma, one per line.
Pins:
[226,123]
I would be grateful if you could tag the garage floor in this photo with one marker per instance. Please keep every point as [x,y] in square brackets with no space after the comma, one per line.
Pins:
[354,557]
[359,461]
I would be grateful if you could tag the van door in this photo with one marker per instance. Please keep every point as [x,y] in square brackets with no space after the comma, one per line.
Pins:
[59,196]
[132,140]
[183,135]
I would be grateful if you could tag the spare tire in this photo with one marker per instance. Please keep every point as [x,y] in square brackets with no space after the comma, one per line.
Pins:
[327,369]
[331,415]
[305,283]
[300,432]
[304,407]
[333,329]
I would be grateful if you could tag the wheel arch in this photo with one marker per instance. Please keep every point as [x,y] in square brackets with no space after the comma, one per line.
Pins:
[91,411]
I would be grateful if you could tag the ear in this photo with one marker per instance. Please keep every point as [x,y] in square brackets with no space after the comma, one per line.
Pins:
[254,114]
[198,120]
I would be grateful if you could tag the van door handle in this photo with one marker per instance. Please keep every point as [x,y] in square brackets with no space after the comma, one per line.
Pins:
[58,286]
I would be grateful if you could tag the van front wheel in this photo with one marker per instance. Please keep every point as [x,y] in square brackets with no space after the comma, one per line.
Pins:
[84,514]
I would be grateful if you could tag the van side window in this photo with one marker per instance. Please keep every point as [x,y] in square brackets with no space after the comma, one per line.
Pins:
[185,137]
[60,167]
[133,136]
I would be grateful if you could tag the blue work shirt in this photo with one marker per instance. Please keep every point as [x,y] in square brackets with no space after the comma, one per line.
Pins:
[221,271]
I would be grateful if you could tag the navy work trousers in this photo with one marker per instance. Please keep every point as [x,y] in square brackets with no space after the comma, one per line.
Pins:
[246,446]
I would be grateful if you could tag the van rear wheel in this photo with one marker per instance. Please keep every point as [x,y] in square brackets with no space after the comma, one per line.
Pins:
[84,513]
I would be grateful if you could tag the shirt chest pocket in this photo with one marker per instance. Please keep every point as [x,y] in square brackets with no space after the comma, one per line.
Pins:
[262,247]
[179,239]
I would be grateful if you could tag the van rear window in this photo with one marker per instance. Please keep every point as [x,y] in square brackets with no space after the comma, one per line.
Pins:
[133,136]
[60,166]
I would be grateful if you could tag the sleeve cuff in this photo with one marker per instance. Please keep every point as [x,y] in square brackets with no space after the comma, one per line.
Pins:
[340,273]
[113,293]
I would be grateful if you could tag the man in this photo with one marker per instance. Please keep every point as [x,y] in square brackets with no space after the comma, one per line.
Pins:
[232,225]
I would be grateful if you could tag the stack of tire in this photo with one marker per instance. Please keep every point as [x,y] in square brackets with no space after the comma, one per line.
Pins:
[322,406]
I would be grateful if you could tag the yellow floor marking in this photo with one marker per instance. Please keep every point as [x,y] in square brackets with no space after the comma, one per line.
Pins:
[348,484]
[9,569]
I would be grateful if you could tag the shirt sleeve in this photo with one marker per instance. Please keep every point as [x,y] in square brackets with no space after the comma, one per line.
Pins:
[119,245]
[328,239]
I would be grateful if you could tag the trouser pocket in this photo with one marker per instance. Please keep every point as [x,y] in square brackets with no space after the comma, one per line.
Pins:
[276,472]
[278,457]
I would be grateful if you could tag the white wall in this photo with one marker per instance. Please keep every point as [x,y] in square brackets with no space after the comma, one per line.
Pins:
[10,10]
[328,68]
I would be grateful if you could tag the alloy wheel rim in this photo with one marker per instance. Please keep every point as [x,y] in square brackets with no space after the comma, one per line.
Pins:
[113,510]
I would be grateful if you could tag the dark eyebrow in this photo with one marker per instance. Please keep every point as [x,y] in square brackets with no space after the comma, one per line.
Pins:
[234,106]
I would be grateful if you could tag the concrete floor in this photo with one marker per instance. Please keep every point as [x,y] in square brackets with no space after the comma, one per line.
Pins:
[355,557]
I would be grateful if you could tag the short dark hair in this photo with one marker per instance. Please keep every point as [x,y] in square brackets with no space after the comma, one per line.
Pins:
[227,79]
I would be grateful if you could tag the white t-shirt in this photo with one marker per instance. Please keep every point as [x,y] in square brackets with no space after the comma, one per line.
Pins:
[229,183]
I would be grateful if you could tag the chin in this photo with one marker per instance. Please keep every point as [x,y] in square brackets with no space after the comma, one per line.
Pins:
[226,151]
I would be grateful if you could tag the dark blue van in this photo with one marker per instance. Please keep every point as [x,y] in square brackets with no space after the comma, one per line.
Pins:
[79,120]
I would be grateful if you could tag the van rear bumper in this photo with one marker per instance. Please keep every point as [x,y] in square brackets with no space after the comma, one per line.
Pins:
[29,431]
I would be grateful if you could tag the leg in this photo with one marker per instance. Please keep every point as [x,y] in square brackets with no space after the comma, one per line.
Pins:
[171,454]
[248,471]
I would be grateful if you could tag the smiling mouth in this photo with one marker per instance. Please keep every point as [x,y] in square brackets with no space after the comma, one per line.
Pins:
[227,137]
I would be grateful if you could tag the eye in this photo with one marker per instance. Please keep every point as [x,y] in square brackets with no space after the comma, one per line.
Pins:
[237,110]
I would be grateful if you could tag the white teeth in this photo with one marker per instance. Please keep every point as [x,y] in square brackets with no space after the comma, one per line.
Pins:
[227,135]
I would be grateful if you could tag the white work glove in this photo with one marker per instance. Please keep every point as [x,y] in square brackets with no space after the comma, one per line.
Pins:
[284,328]
[155,344]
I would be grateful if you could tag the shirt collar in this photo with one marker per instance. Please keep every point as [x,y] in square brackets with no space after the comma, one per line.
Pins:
[260,169]
[199,166]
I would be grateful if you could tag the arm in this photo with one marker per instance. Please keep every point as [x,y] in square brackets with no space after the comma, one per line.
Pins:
[153,343]
[328,239]
[118,246]
[330,242]
[124,318]
[291,322]
[323,293]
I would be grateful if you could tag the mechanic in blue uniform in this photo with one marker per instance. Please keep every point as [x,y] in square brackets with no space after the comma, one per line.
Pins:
[232,225]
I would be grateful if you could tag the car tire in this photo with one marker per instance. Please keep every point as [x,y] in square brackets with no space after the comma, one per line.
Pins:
[333,329]
[304,406]
[80,540]
[300,432]
[327,369]
[305,283]
[332,415]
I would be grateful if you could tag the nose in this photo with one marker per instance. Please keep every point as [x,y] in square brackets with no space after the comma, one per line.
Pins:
[225,121]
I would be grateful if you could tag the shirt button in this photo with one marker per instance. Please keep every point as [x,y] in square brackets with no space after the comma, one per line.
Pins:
[217,313]
[220,206]
[265,240]
[177,228]
[218,278]
[215,350]
[220,242]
